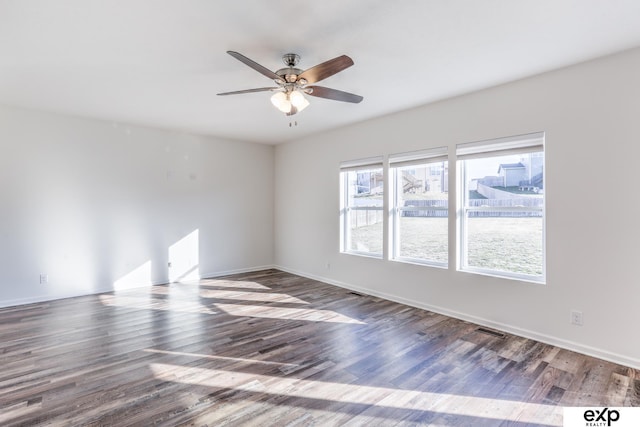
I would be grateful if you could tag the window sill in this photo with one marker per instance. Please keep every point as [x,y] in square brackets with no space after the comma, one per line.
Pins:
[363,254]
[538,280]
[420,262]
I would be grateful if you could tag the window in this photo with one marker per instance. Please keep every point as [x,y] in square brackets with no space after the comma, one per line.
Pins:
[362,214]
[420,207]
[502,207]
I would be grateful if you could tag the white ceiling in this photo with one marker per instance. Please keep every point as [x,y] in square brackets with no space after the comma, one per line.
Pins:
[160,63]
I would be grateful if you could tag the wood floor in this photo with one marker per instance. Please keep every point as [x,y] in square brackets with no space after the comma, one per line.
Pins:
[272,348]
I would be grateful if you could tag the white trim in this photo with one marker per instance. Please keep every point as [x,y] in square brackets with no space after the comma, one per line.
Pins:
[420,261]
[521,277]
[359,164]
[375,255]
[526,143]
[215,274]
[525,333]
[48,298]
[432,155]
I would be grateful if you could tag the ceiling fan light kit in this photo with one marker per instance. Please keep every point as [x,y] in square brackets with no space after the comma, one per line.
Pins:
[293,82]
[287,102]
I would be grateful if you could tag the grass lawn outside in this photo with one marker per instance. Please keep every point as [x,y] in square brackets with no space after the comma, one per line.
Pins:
[503,244]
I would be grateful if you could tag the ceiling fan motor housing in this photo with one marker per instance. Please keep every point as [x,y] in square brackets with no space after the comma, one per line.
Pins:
[290,74]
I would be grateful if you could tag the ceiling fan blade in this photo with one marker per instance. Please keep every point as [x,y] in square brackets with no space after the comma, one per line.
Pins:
[326,69]
[260,89]
[259,68]
[336,95]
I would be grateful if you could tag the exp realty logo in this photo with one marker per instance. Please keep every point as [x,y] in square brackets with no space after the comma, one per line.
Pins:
[601,417]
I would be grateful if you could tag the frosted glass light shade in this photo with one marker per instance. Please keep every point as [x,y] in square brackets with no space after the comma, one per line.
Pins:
[281,102]
[298,100]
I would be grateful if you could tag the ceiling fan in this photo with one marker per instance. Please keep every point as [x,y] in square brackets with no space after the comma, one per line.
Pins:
[293,83]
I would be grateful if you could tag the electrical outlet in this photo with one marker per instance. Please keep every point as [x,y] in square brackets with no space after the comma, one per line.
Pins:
[576,318]
[44,279]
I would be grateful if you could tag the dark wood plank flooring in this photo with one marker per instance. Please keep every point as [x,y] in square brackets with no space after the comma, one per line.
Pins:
[272,348]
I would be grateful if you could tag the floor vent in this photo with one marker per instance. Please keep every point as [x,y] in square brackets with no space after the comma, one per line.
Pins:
[491,332]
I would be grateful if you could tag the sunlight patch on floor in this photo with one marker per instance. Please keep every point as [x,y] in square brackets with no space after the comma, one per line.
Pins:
[140,303]
[307,314]
[232,284]
[340,393]
[225,358]
[251,296]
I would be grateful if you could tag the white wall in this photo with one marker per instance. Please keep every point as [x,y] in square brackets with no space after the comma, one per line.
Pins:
[590,113]
[94,204]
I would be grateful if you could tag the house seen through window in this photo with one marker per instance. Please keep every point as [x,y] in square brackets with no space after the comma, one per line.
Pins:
[362,212]
[502,207]
[420,207]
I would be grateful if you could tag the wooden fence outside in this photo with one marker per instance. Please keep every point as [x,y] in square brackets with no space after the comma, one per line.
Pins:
[361,218]
[526,202]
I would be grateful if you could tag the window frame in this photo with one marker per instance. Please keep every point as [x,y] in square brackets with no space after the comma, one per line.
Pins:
[346,208]
[529,143]
[397,162]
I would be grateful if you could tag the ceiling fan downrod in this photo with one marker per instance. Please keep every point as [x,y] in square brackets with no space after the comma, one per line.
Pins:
[290,59]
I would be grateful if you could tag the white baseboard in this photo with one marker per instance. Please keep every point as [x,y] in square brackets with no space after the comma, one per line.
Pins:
[46,298]
[547,339]
[237,271]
